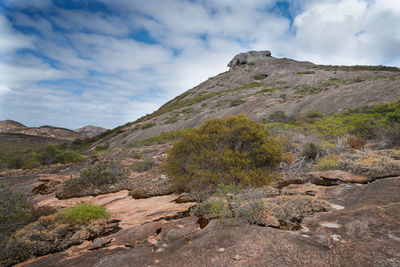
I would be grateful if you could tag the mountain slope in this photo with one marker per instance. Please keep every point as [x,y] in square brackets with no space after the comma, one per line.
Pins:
[259,85]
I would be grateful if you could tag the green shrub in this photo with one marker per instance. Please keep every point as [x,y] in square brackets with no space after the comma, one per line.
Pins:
[137,155]
[312,114]
[31,163]
[260,76]
[143,165]
[306,72]
[189,111]
[266,90]
[48,155]
[358,80]
[148,125]
[16,161]
[329,126]
[211,209]
[327,163]
[391,135]
[280,116]
[105,146]
[68,156]
[14,210]
[234,150]
[83,213]
[237,102]
[172,119]
[394,117]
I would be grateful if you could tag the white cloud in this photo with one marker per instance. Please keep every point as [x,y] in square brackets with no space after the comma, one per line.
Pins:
[349,32]
[4,89]
[96,74]
[10,39]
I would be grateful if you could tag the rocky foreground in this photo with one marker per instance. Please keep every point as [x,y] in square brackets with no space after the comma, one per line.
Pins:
[361,230]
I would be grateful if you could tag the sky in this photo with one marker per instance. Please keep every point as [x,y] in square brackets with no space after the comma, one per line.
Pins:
[71,63]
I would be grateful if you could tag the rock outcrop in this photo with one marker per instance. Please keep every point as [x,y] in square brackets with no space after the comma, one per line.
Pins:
[251,56]
[364,231]
[90,131]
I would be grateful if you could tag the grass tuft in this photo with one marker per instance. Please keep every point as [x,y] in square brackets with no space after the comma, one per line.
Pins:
[83,213]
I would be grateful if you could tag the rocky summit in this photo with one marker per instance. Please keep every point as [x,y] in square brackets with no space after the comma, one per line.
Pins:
[323,192]
[249,57]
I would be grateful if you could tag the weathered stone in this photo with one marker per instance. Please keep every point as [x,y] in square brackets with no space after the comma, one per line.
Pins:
[130,211]
[251,56]
[335,177]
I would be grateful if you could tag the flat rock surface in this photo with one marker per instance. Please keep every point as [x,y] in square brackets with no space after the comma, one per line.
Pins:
[123,207]
[365,231]
[341,175]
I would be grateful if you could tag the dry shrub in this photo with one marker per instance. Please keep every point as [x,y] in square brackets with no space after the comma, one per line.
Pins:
[50,234]
[265,206]
[356,142]
[96,179]
[143,165]
[372,165]
[289,211]
[311,150]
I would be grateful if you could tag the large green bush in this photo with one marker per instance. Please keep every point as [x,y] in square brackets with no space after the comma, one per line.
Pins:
[234,150]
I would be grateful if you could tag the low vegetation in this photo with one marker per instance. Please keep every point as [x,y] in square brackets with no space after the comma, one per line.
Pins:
[162,139]
[14,210]
[306,72]
[362,124]
[234,150]
[96,179]
[148,125]
[57,232]
[262,206]
[237,102]
[46,155]
[357,68]
[143,165]
[328,163]
[260,76]
[83,213]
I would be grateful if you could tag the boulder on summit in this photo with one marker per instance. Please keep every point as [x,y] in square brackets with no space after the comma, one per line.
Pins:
[245,58]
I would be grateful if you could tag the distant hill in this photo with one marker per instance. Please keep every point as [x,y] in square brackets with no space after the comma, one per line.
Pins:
[14,127]
[10,125]
[90,131]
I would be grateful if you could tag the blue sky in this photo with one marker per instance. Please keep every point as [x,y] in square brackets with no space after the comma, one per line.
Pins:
[108,62]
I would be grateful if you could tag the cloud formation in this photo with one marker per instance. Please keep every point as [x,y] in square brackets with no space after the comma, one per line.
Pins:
[107,62]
